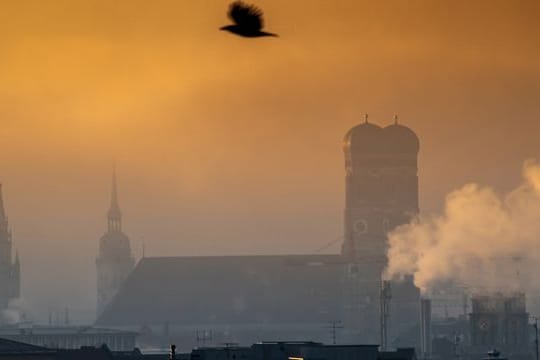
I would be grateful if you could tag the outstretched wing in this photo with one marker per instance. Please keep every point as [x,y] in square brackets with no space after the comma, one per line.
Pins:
[246,16]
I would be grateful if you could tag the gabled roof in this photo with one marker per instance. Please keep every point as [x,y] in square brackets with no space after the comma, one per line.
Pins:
[15,347]
[228,290]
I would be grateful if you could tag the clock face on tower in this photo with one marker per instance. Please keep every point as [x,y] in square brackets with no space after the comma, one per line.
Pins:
[360,226]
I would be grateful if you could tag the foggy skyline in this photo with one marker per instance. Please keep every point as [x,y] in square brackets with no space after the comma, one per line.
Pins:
[226,146]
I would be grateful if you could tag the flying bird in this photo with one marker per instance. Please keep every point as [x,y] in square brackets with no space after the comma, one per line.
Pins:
[247,19]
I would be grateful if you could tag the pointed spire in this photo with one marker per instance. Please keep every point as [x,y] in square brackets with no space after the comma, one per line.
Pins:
[5,231]
[114,215]
[395,119]
[114,208]
[3,217]
[366,118]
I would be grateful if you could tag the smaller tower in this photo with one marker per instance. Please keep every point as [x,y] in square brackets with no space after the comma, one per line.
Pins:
[115,260]
[9,268]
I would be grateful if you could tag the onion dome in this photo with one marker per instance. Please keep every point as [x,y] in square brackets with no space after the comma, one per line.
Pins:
[401,139]
[364,138]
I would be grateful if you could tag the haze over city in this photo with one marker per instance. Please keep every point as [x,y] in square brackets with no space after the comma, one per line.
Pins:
[229,146]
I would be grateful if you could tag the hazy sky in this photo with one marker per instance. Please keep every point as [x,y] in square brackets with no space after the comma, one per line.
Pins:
[231,145]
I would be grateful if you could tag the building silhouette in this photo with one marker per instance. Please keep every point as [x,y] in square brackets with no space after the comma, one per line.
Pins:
[68,336]
[115,260]
[248,298]
[381,188]
[381,193]
[10,269]
[500,321]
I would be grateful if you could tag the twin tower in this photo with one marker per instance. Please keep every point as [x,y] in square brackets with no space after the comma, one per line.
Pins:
[381,193]
[381,187]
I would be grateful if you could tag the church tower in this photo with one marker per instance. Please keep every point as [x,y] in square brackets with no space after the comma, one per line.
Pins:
[10,269]
[115,260]
[381,193]
[381,186]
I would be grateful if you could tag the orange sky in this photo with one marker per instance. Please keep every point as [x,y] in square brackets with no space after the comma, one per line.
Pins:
[231,145]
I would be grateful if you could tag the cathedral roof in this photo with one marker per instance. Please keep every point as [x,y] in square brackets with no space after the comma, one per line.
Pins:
[228,290]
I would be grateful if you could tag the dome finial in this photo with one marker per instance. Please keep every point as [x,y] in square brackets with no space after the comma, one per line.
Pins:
[366,118]
[395,119]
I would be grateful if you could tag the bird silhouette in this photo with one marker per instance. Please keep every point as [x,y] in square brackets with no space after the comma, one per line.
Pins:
[247,19]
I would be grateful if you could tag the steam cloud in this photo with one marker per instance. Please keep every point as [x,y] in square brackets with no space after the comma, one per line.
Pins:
[483,241]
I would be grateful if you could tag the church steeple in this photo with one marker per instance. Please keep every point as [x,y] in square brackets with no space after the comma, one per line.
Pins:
[4,228]
[115,260]
[114,215]
[5,233]
[9,269]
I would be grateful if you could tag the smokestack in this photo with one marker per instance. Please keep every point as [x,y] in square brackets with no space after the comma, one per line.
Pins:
[384,310]
[425,328]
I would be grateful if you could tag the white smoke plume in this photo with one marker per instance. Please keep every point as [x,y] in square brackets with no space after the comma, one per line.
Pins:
[482,241]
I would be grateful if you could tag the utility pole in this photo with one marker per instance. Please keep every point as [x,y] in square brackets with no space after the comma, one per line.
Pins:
[172,353]
[334,327]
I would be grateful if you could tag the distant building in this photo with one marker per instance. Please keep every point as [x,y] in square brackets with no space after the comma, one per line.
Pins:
[500,322]
[10,269]
[115,260]
[246,299]
[381,193]
[381,190]
[69,337]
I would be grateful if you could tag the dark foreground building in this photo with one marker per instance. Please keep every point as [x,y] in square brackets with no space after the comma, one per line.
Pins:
[284,350]
[69,337]
[245,299]
[287,350]
[15,350]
